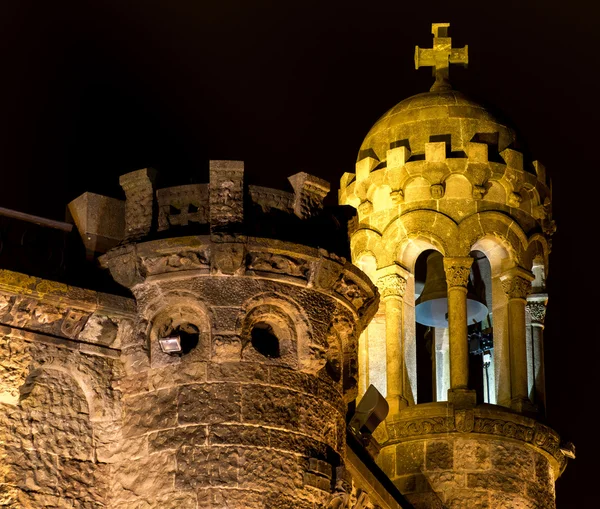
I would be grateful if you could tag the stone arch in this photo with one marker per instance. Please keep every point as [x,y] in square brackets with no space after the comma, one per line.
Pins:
[417,188]
[101,402]
[182,314]
[368,241]
[283,319]
[497,235]
[537,247]
[418,230]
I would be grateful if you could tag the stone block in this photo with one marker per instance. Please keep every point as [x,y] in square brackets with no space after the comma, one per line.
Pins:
[469,499]
[397,157]
[150,412]
[176,375]
[472,455]
[145,478]
[175,438]
[410,457]
[267,469]
[513,459]
[233,434]
[199,467]
[413,483]
[439,455]
[237,372]
[447,481]
[496,482]
[500,499]
[100,221]
[435,152]
[296,442]
[209,403]
[226,196]
[271,406]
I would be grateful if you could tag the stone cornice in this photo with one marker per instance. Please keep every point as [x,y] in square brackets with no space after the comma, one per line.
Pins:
[442,418]
[245,257]
[59,310]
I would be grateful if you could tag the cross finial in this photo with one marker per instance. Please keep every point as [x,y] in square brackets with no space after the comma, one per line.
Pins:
[441,56]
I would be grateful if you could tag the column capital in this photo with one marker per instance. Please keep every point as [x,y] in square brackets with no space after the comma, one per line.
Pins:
[516,283]
[391,285]
[536,309]
[457,270]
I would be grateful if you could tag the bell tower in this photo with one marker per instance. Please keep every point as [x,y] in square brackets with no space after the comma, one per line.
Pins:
[439,179]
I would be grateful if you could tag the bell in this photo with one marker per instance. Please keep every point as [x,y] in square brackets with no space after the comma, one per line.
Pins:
[432,305]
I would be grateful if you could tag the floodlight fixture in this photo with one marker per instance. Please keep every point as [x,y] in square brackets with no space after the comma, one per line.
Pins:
[170,344]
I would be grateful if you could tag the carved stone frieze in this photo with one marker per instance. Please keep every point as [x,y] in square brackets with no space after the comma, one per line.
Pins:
[392,285]
[351,291]
[182,205]
[457,271]
[309,193]
[279,264]
[186,260]
[226,195]
[139,206]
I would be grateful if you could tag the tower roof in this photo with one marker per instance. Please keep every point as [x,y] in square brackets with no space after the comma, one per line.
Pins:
[439,115]
[442,114]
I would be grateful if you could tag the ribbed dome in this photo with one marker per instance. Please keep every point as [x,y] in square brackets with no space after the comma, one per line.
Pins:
[434,116]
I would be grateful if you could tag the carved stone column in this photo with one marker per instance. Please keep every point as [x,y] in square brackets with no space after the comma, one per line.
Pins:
[517,284]
[536,310]
[392,288]
[457,276]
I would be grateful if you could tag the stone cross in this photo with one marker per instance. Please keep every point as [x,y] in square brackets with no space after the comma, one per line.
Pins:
[441,56]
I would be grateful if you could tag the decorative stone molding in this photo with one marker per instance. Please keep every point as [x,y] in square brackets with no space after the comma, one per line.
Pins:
[226,196]
[139,206]
[457,271]
[309,193]
[444,419]
[392,285]
[537,311]
[516,283]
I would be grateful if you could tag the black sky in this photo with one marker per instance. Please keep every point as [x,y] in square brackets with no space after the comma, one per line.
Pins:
[91,90]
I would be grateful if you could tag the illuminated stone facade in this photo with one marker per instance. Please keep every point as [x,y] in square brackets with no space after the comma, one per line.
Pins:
[276,334]
[438,172]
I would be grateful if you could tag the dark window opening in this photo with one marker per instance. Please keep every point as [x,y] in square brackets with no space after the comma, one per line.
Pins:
[189,337]
[265,341]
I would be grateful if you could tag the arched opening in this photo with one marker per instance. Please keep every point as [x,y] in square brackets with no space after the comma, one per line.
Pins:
[480,334]
[264,340]
[432,333]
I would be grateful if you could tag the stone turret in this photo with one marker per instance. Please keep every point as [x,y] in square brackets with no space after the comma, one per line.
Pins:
[250,412]
[438,172]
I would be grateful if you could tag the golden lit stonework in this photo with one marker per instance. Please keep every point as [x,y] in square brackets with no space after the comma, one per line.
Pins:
[441,56]
[438,173]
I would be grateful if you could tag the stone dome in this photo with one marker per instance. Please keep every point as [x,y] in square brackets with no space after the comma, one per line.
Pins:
[444,115]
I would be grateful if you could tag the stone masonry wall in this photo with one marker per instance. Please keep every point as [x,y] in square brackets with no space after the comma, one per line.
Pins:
[224,425]
[468,473]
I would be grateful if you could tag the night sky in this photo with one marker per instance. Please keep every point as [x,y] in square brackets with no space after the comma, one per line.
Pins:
[91,90]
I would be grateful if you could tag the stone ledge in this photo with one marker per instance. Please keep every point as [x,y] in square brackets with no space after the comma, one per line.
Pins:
[431,420]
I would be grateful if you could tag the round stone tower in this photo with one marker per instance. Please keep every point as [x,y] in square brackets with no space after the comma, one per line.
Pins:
[438,172]
[244,355]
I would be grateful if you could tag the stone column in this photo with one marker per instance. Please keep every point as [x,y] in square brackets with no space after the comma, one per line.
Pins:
[457,276]
[517,284]
[536,309]
[392,288]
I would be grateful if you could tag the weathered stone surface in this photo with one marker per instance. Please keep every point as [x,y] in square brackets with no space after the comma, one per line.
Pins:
[438,455]
[209,403]
[472,455]
[207,466]
[149,412]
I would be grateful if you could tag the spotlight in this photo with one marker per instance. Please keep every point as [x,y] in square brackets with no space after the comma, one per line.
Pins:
[170,344]
[371,410]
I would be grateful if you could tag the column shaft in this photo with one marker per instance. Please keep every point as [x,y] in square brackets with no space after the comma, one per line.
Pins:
[459,345]
[392,288]
[457,277]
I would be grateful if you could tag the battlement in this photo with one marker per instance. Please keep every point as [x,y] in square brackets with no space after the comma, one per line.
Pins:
[224,207]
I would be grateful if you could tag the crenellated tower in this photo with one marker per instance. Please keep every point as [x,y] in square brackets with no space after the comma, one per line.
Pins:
[439,180]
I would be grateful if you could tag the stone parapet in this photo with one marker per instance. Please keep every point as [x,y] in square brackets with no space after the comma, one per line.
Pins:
[486,456]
